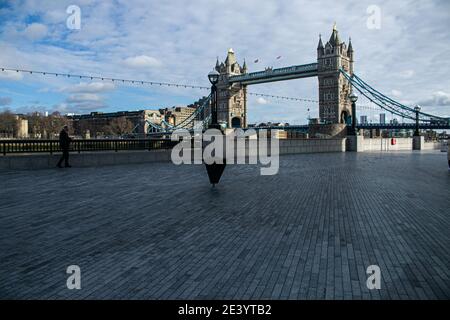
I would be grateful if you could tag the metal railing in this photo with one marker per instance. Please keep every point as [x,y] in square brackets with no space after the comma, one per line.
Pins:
[51,146]
[407,125]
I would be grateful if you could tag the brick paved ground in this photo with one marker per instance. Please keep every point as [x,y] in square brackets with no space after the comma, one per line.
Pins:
[160,231]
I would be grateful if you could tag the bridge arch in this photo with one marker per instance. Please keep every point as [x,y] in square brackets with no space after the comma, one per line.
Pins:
[345,117]
[236,122]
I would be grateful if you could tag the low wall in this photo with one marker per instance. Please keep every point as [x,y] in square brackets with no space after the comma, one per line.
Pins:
[293,146]
[432,146]
[384,144]
[402,144]
[91,159]
[287,146]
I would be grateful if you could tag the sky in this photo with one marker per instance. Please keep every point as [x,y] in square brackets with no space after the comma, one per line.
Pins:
[402,48]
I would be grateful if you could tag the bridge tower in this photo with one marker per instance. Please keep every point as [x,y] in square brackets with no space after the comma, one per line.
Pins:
[231,97]
[334,89]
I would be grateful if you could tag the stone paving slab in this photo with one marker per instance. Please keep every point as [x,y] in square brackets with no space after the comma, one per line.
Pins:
[159,231]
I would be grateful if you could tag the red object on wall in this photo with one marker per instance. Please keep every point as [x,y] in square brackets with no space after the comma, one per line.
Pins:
[393,141]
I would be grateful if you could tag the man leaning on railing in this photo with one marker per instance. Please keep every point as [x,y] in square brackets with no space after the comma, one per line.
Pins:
[64,142]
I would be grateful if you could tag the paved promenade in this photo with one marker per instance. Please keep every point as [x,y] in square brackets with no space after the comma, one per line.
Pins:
[159,231]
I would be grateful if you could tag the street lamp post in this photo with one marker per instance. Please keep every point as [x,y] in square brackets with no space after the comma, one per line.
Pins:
[353,98]
[214,170]
[417,110]
[213,77]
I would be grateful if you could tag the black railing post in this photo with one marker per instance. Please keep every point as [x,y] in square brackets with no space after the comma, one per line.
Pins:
[214,104]
[417,131]
[353,130]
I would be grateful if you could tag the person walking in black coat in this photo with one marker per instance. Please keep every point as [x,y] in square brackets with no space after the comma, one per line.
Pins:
[64,142]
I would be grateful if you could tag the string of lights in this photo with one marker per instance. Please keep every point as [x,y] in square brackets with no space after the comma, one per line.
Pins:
[282,97]
[143,82]
[77,76]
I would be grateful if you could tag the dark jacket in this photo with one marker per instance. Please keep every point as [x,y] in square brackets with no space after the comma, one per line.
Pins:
[64,139]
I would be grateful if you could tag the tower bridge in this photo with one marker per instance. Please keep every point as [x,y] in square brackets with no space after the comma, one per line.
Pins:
[334,69]
[334,90]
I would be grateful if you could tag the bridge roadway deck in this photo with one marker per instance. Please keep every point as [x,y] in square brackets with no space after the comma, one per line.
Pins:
[159,231]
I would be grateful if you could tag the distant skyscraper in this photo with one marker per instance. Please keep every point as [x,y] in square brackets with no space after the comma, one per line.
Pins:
[382,118]
[363,119]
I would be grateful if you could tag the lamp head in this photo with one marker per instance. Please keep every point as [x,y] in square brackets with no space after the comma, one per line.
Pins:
[353,97]
[213,77]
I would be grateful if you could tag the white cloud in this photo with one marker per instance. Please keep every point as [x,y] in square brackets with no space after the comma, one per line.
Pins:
[396,93]
[11,75]
[64,107]
[4,101]
[438,99]
[55,16]
[83,97]
[261,100]
[89,87]
[82,103]
[407,74]
[142,62]
[35,31]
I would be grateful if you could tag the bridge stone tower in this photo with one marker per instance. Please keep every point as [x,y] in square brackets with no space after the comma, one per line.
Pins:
[334,89]
[231,97]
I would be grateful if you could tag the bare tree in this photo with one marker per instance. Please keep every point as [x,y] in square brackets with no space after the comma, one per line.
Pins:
[8,124]
[54,123]
[119,126]
[45,126]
